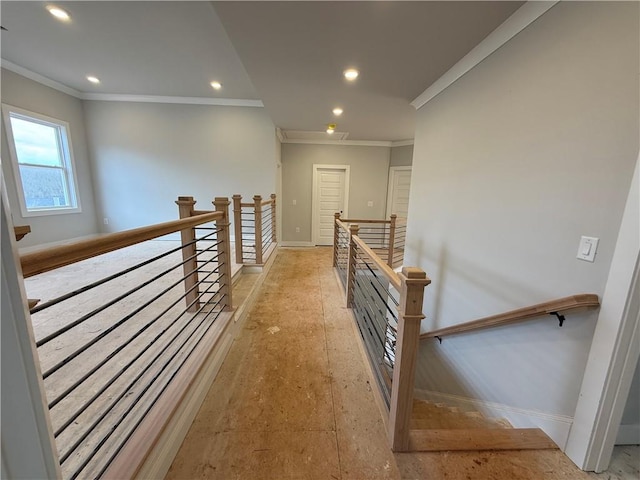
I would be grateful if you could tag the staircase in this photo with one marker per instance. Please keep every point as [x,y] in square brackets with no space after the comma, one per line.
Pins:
[438,427]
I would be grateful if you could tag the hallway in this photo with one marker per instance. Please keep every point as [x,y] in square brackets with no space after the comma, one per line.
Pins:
[293,399]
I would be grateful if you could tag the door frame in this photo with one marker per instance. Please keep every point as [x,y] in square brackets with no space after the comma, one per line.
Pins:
[314,198]
[392,174]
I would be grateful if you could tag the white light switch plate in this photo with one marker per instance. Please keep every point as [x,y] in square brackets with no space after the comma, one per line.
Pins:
[587,248]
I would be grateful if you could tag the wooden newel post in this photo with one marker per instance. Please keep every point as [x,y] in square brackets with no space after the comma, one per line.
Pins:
[392,239]
[273,218]
[336,238]
[221,204]
[190,265]
[237,227]
[412,283]
[351,272]
[257,200]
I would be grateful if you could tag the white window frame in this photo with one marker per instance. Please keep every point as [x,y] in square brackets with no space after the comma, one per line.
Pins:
[67,157]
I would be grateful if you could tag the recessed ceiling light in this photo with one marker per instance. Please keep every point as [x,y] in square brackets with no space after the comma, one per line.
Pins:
[337,111]
[351,74]
[216,85]
[331,127]
[59,13]
[93,79]
[330,131]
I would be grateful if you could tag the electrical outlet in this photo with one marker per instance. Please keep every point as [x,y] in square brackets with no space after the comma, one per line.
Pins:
[297,229]
[295,202]
[369,203]
[105,220]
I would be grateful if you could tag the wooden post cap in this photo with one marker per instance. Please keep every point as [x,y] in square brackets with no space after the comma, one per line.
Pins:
[237,195]
[273,195]
[257,198]
[337,215]
[414,273]
[185,201]
[222,201]
[353,228]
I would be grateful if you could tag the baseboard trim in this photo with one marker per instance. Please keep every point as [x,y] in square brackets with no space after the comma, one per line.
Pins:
[296,244]
[628,435]
[555,426]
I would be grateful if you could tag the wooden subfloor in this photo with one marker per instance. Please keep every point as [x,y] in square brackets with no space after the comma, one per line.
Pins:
[293,399]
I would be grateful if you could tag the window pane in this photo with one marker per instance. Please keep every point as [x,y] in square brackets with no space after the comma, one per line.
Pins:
[44,187]
[36,143]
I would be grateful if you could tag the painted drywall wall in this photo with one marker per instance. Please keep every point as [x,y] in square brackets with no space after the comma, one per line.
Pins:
[369,172]
[29,95]
[401,156]
[528,151]
[146,155]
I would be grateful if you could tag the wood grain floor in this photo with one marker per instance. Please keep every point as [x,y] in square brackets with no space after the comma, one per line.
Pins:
[293,399]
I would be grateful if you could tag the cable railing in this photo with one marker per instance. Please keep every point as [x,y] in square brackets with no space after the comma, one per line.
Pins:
[387,307]
[385,237]
[254,229]
[111,347]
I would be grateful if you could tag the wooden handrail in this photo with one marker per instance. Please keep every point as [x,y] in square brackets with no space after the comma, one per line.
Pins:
[574,302]
[55,257]
[383,267]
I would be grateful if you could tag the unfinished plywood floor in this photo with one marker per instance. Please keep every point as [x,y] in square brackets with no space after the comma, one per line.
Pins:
[293,399]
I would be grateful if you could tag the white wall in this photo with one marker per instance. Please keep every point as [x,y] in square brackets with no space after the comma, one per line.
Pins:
[369,172]
[145,155]
[514,162]
[24,93]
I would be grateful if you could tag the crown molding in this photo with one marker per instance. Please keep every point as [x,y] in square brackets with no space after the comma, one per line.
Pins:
[402,143]
[225,102]
[521,19]
[359,143]
[36,77]
[110,97]
[279,134]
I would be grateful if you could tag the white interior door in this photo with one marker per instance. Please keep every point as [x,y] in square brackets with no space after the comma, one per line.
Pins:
[330,194]
[398,191]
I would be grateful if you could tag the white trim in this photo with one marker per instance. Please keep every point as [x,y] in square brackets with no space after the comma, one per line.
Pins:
[314,197]
[28,446]
[556,426]
[68,158]
[116,97]
[279,134]
[615,347]
[360,143]
[392,174]
[36,77]
[296,244]
[521,19]
[628,435]
[225,102]
[402,143]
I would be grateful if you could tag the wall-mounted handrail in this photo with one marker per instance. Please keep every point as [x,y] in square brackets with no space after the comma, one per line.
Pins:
[553,307]
[55,257]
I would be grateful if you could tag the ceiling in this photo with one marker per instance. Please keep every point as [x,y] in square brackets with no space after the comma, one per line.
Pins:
[290,54]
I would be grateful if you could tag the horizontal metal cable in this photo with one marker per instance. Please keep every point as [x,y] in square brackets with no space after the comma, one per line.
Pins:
[86,288]
[76,384]
[113,428]
[103,307]
[149,407]
[93,341]
[150,364]
[377,278]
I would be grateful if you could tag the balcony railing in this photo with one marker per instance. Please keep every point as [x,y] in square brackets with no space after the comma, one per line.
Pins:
[254,229]
[387,307]
[118,346]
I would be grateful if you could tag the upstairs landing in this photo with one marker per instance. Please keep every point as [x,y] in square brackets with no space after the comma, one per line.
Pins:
[293,399]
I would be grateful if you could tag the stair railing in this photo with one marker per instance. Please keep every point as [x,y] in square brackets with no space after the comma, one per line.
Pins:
[254,229]
[387,307]
[385,237]
[117,353]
